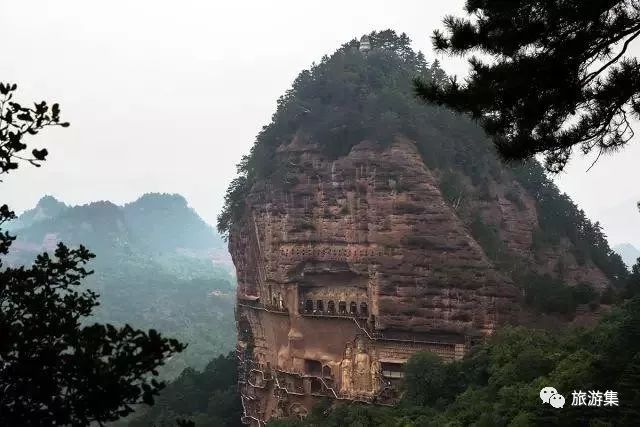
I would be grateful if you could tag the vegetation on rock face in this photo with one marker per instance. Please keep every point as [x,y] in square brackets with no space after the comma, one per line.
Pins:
[588,103]
[560,218]
[352,96]
[55,370]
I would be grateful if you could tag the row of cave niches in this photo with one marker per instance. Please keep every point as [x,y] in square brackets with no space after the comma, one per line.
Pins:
[330,308]
[322,307]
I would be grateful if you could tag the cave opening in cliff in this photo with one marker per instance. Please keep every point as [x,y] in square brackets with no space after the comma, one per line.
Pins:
[331,307]
[312,367]
[392,370]
[364,310]
[326,371]
[342,307]
[316,385]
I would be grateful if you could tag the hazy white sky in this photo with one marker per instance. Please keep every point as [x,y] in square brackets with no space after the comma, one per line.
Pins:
[166,95]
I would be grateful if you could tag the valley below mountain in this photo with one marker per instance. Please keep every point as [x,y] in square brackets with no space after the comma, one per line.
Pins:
[158,266]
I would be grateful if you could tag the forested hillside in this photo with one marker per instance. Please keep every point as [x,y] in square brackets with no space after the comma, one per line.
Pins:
[158,265]
[208,398]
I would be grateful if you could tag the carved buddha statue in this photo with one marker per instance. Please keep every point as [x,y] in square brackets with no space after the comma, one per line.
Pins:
[346,370]
[376,372]
[362,374]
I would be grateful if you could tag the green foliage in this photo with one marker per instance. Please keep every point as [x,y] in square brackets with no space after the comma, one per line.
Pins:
[19,121]
[559,217]
[429,381]
[452,187]
[588,102]
[55,370]
[345,99]
[584,293]
[548,295]
[351,96]
[513,196]
[489,238]
[632,287]
[207,398]
[198,310]
[628,388]
[84,373]
[153,269]
[344,415]
[233,202]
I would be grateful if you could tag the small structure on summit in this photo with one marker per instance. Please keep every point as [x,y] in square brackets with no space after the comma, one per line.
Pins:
[365,44]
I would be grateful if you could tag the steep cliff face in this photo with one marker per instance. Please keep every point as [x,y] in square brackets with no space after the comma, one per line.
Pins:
[362,252]
[374,220]
[513,211]
[365,227]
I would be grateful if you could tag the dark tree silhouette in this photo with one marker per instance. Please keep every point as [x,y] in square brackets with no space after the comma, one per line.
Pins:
[55,369]
[552,75]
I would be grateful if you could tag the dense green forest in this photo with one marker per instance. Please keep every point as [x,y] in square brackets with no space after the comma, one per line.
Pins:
[208,398]
[153,268]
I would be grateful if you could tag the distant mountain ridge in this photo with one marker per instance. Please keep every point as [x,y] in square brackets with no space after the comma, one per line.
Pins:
[628,252]
[152,217]
[158,265]
[46,208]
[153,225]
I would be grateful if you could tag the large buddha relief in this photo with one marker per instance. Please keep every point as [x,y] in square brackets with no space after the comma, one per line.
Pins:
[360,373]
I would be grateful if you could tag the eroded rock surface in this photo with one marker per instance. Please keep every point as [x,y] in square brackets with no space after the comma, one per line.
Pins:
[347,268]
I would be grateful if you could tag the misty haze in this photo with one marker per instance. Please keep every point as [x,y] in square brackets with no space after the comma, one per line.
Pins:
[342,214]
